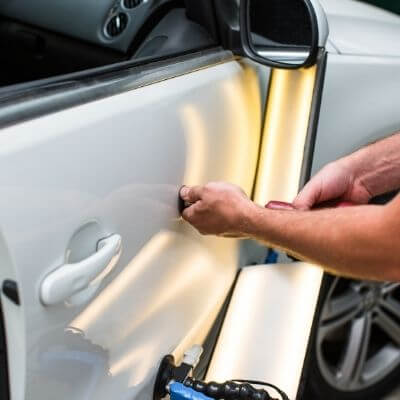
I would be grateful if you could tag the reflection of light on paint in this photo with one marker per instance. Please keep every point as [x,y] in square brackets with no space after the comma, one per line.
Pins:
[133,309]
[196,145]
[169,293]
[150,252]
[163,304]
[137,357]
[285,131]
[231,153]
[267,327]
[266,331]
[244,144]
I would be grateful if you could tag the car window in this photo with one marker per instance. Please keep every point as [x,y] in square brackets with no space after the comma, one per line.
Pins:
[389,5]
[46,38]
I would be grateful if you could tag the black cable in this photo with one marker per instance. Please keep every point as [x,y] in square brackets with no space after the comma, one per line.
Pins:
[260,383]
[236,389]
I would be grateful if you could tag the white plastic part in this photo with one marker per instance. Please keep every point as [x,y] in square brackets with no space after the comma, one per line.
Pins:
[70,279]
[192,356]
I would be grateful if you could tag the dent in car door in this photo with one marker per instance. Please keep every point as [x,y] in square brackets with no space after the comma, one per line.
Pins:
[114,166]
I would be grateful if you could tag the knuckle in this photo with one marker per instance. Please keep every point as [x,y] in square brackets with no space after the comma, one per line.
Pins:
[202,207]
[212,185]
[190,193]
[208,187]
[187,214]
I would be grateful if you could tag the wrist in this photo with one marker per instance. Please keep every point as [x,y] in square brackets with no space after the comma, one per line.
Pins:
[366,171]
[353,165]
[251,219]
[358,167]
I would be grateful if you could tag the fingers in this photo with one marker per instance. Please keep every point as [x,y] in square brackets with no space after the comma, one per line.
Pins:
[216,208]
[280,205]
[191,194]
[304,200]
[193,215]
[188,213]
[308,197]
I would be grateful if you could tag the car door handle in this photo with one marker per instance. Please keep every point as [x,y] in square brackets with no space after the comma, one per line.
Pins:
[69,279]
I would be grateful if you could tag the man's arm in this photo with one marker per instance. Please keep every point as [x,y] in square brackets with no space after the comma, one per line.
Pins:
[371,171]
[361,241]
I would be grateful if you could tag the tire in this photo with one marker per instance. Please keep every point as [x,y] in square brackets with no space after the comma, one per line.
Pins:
[355,350]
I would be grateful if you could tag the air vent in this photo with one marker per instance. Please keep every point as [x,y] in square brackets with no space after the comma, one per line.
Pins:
[117,24]
[132,3]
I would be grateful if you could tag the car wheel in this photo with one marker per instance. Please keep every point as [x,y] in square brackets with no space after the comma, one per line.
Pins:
[355,352]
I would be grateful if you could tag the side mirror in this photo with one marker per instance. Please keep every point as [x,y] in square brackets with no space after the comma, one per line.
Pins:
[282,33]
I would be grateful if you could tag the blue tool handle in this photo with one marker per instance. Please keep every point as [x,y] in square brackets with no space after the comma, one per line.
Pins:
[178,391]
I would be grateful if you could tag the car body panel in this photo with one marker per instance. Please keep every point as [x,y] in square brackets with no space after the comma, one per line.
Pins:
[119,169]
[286,132]
[268,341]
[273,306]
[361,29]
[358,105]
[86,169]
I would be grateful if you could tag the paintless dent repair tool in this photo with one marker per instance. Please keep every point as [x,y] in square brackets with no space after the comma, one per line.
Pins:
[281,205]
[177,382]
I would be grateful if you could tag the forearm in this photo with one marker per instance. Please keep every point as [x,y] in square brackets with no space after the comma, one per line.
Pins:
[377,166]
[356,242]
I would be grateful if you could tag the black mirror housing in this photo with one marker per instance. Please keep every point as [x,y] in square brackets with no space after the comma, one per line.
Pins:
[277,33]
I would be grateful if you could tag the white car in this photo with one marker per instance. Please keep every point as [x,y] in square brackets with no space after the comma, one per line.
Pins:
[107,107]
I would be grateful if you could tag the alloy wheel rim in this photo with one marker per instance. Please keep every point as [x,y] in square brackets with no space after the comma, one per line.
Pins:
[358,338]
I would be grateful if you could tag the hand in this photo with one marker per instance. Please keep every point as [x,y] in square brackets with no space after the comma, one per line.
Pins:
[217,209]
[336,181]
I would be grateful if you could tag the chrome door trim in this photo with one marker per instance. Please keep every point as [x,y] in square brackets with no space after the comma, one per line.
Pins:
[24,103]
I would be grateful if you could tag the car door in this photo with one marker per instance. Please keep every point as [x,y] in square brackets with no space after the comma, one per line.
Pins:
[100,275]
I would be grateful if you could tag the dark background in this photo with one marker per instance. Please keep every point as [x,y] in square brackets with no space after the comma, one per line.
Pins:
[390,5]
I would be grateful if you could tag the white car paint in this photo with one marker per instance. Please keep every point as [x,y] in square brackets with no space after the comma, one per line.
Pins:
[358,105]
[277,296]
[118,163]
[360,29]
[361,79]
[265,341]
[160,297]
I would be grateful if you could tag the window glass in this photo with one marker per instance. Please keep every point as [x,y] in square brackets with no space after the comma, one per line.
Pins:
[389,5]
[47,38]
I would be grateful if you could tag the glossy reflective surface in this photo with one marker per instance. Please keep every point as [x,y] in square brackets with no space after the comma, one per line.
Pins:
[268,340]
[120,162]
[281,30]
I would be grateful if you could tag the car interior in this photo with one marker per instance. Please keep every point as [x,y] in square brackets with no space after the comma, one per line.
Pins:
[47,38]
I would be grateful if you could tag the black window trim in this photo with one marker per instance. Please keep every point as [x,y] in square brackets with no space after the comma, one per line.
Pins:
[22,102]
[17,88]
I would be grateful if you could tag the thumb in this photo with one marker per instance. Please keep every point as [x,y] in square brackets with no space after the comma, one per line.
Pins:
[191,194]
[308,196]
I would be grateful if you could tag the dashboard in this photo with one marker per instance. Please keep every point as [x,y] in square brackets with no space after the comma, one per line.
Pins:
[109,23]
